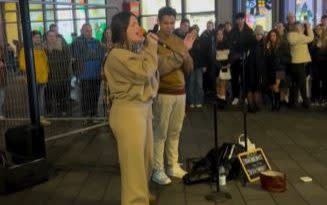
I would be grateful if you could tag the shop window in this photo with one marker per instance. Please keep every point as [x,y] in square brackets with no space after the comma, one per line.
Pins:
[11,17]
[319,11]
[37,26]
[176,4]
[80,13]
[149,22]
[304,10]
[259,12]
[98,27]
[61,6]
[35,6]
[49,15]
[10,6]
[100,2]
[195,6]
[11,32]
[151,7]
[97,13]
[66,28]
[36,15]
[200,20]
[49,6]
[64,14]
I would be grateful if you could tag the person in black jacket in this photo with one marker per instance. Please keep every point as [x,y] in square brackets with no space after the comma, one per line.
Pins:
[255,70]
[183,29]
[195,78]
[242,39]
[319,64]
[278,57]
[58,88]
[206,40]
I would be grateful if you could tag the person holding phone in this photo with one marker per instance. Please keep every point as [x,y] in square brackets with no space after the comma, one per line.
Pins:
[300,57]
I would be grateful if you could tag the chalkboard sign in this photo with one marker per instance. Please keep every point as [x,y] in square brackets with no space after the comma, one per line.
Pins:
[253,163]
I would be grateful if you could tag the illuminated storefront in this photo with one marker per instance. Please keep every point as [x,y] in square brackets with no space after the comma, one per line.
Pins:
[259,12]
[69,15]
[197,13]
[306,10]
[309,10]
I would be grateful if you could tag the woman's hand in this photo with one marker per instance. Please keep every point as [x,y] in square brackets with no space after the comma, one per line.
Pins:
[152,38]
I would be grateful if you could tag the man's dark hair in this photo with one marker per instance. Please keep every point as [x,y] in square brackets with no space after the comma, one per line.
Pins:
[166,11]
[185,20]
[52,26]
[36,32]
[240,15]
[119,26]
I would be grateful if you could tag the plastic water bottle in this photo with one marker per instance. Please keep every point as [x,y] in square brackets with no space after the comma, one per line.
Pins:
[222,176]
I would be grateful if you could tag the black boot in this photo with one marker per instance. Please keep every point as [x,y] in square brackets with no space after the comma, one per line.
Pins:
[277,101]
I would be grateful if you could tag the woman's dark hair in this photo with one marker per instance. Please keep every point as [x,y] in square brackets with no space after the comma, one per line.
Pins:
[220,30]
[36,32]
[104,35]
[119,26]
[166,11]
[278,38]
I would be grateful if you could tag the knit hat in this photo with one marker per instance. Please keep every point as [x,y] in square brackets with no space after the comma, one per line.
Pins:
[259,30]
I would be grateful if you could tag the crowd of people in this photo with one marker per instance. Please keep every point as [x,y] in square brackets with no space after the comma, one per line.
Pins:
[283,66]
[56,63]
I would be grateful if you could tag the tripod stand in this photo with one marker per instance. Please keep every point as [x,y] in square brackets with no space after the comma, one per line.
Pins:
[217,196]
[244,111]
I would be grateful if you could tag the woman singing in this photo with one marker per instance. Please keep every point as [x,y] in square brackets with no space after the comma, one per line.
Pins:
[132,76]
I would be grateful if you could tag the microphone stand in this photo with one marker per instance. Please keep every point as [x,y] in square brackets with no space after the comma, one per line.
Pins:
[244,111]
[217,196]
[244,55]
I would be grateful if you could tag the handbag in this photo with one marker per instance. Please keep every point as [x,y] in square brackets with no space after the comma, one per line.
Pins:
[224,73]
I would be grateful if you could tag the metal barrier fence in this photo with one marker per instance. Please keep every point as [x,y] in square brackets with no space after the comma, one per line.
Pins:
[68,74]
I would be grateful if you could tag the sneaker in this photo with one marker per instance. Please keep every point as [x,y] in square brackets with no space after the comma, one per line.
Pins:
[176,171]
[235,101]
[160,177]
[198,105]
[192,106]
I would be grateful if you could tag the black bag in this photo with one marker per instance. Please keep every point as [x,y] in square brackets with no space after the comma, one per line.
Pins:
[204,169]
[25,143]
[17,177]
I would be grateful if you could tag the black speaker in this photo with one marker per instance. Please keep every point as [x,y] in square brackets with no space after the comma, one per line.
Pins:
[17,177]
[25,143]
